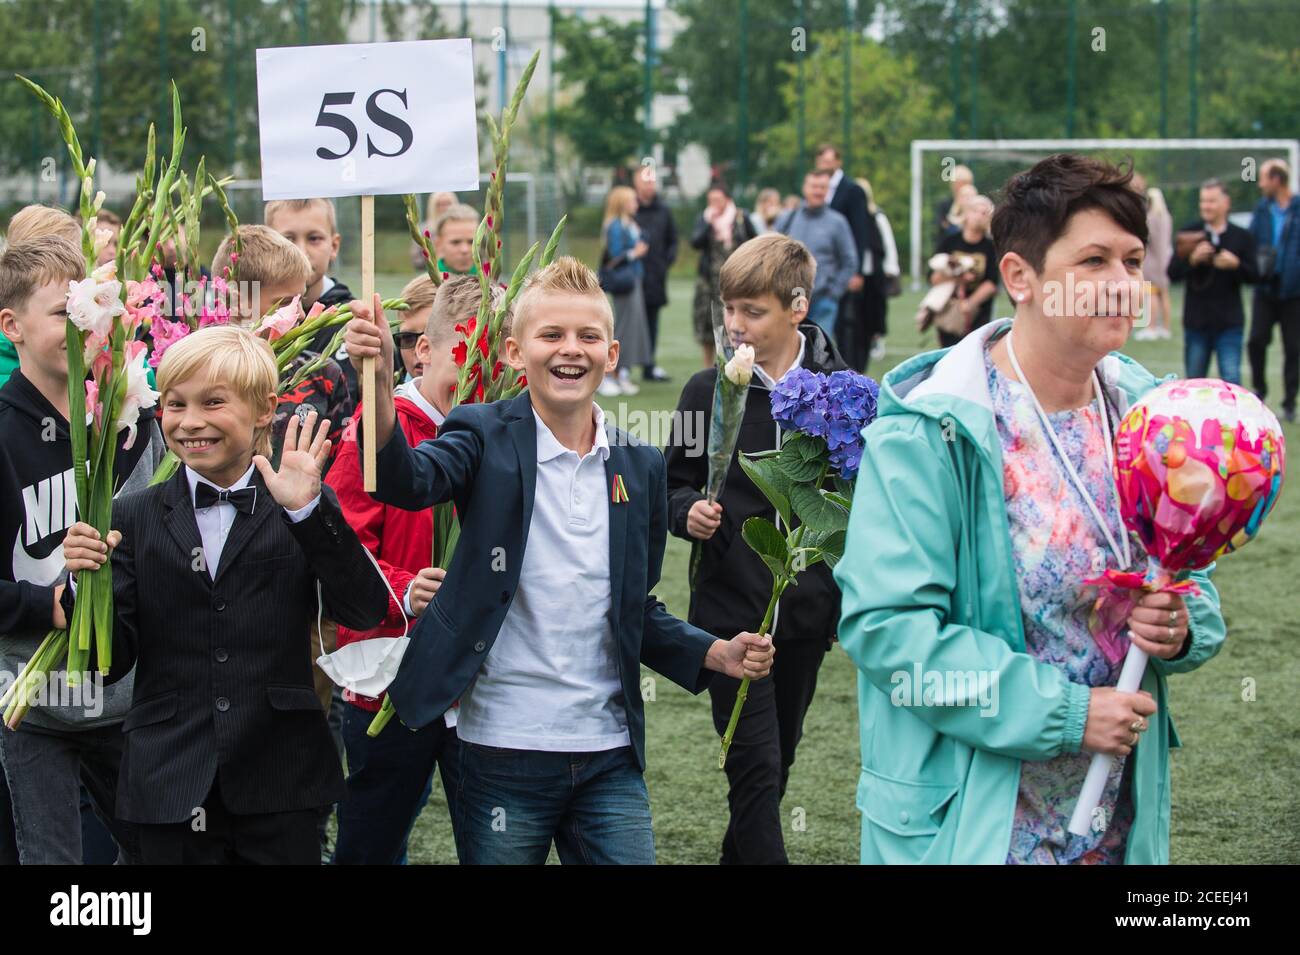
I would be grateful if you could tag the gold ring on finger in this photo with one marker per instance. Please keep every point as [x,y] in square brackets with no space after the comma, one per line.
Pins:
[1173,617]
[1134,741]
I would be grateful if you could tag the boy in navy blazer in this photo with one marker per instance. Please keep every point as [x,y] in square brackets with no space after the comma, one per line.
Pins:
[545,614]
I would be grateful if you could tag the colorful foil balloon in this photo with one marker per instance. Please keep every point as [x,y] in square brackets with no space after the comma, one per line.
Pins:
[1199,465]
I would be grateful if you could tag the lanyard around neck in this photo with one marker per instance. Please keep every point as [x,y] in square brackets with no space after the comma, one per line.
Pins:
[1124,556]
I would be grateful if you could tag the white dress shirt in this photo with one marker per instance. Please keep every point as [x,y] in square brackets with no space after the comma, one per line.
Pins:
[551,680]
[767,379]
[215,522]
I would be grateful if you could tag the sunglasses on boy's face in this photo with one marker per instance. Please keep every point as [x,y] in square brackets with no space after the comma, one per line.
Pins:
[405,339]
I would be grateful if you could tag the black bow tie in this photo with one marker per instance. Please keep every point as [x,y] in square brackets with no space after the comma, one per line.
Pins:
[205,495]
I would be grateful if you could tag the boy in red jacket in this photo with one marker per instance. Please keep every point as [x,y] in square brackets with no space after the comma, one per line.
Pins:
[391,775]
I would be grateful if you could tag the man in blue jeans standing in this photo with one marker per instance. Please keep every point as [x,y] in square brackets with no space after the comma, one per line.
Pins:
[828,237]
[1214,269]
[1276,229]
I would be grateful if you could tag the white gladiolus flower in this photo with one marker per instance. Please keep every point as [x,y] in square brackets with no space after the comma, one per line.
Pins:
[740,368]
[93,303]
[138,393]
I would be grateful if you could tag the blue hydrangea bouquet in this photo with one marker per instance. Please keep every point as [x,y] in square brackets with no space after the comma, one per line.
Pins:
[822,417]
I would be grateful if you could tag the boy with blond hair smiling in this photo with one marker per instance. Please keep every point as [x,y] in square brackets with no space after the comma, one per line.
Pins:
[546,614]
[231,555]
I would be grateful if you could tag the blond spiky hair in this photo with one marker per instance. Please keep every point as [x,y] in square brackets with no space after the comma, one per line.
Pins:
[565,276]
[230,356]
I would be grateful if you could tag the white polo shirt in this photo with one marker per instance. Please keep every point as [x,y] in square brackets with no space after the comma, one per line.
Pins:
[551,681]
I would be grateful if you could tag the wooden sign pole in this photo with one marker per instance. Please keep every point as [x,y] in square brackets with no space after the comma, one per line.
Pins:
[368,364]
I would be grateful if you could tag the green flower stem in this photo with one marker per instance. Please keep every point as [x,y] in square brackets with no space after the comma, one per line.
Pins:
[778,588]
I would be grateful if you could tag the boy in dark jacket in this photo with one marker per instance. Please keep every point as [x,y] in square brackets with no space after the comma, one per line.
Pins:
[218,574]
[69,736]
[764,291]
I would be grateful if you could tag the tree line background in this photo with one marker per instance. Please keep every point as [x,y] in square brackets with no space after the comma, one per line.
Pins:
[763,81]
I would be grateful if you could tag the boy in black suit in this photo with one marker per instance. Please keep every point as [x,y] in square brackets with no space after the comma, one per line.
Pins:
[542,644]
[216,576]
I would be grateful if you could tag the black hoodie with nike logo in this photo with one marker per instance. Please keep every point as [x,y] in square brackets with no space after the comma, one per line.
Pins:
[38,503]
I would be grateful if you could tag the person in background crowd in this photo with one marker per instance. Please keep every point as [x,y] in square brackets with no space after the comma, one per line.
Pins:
[1276,228]
[623,243]
[880,281]
[766,209]
[947,210]
[719,231]
[1155,267]
[981,282]
[1215,270]
[849,200]
[827,235]
[659,232]
[438,204]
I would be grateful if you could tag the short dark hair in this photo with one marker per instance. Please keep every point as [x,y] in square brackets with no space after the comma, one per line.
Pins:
[1036,205]
[817,172]
[828,148]
[1214,182]
[1276,169]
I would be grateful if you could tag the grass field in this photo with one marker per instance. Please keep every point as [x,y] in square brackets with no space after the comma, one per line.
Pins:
[1233,781]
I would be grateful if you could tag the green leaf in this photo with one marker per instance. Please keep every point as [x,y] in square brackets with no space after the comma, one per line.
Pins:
[816,511]
[845,488]
[801,458]
[844,502]
[768,543]
[771,480]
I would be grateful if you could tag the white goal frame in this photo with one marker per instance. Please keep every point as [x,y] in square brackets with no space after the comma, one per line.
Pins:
[922,146]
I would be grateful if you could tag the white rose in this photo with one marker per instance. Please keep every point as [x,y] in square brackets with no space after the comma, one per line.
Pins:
[740,368]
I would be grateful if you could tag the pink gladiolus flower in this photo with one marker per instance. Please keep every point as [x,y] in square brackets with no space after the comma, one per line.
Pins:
[281,320]
[316,310]
[165,334]
[96,345]
[94,411]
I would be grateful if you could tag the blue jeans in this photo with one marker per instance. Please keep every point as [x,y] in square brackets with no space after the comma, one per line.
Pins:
[1225,343]
[389,779]
[824,310]
[513,803]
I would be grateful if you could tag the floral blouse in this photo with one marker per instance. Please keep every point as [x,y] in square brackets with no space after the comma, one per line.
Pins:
[1056,544]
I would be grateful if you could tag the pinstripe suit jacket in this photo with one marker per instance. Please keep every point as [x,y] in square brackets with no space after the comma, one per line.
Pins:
[223,682]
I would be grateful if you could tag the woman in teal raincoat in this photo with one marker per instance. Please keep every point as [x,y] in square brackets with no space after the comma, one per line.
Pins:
[984,500]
